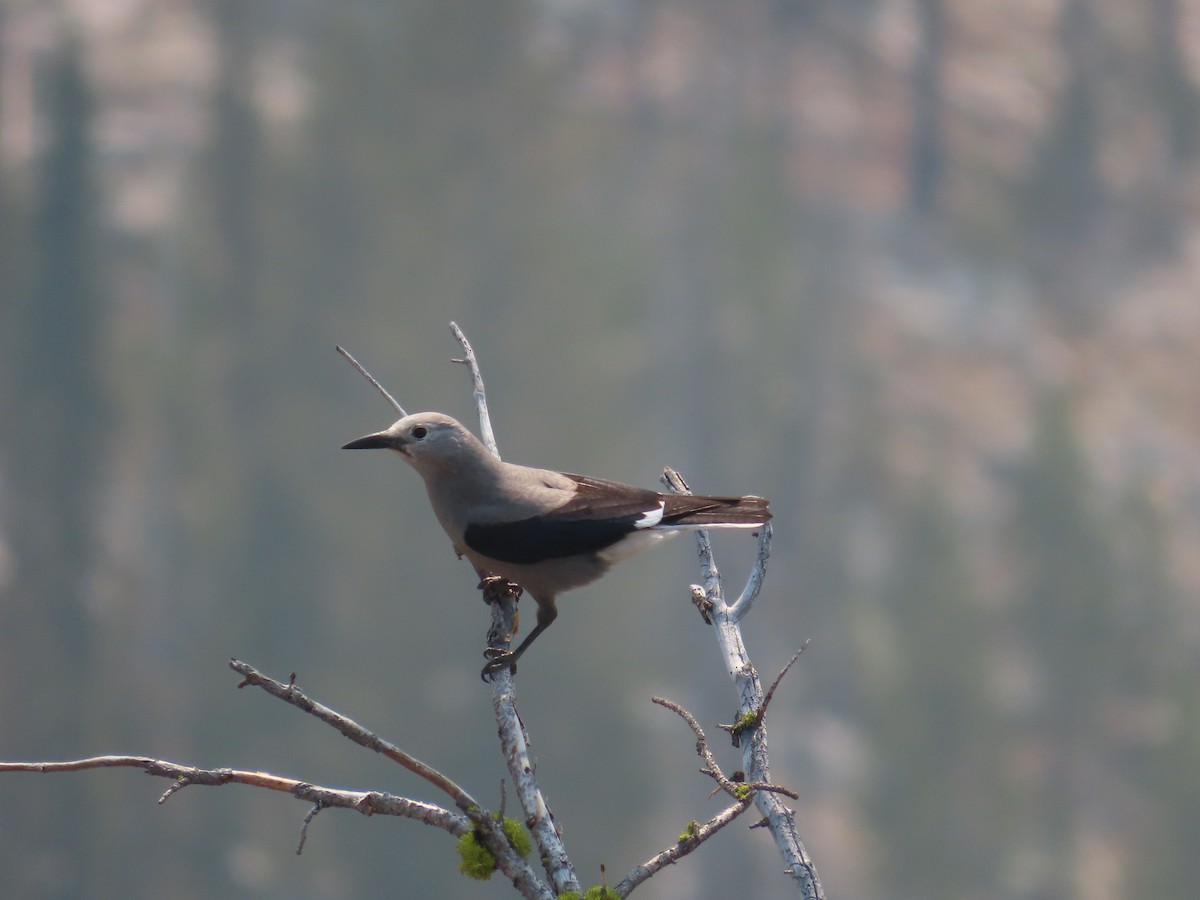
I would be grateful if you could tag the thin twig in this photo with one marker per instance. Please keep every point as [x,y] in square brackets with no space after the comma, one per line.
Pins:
[371,378]
[352,730]
[738,789]
[710,763]
[709,573]
[778,678]
[366,802]
[485,419]
[747,724]
[312,814]
[754,583]
[695,836]
[490,832]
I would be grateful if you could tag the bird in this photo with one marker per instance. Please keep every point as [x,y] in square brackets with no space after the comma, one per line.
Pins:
[544,530]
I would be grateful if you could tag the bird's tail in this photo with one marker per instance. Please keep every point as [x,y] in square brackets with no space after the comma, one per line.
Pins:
[684,511]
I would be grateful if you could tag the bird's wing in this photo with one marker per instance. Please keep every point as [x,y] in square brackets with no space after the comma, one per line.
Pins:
[601,513]
[595,516]
[678,510]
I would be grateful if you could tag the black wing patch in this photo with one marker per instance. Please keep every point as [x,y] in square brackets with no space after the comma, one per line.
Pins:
[599,515]
[545,537]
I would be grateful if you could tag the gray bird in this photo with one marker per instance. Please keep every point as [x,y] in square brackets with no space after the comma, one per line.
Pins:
[546,531]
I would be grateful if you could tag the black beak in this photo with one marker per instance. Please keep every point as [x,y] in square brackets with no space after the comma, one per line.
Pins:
[380,441]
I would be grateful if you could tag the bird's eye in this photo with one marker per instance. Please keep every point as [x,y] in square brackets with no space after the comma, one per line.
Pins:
[419,432]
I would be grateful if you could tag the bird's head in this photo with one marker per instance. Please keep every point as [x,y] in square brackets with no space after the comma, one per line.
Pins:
[431,442]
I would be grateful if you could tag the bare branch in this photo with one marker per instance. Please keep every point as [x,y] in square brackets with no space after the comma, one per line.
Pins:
[352,730]
[489,831]
[514,742]
[366,802]
[748,722]
[778,678]
[778,817]
[371,378]
[750,592]
[485,420]
[514,746]
[710,763]
[709,573]
[735,786]
[312,814]
[696,834]
[693,837]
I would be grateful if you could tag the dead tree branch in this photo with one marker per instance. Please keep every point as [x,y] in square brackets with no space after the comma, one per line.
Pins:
[751,736]
[480,394]
[489,831]
[514,740]
[289,693]
[741,792]
[368,803]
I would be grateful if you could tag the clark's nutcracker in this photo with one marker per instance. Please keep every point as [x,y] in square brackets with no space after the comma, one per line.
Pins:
[546,531]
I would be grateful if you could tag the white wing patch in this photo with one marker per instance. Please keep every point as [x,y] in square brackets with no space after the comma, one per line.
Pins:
[651,517]
[632,544]
[645,535]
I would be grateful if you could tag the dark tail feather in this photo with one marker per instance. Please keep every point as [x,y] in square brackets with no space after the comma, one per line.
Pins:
[683,511]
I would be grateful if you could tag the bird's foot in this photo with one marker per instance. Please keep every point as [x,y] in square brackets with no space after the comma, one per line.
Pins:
[497,660]
[496,588]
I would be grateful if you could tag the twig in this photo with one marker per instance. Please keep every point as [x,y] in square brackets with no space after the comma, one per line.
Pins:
[754,583]
[371,378]
[748,723]
[778,678]
[490,832]
[352,730]
[485,420]
[366,802]
[739,790]
[312,814]
[695,836]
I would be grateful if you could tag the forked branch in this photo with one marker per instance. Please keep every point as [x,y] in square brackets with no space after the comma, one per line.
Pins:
[467,816]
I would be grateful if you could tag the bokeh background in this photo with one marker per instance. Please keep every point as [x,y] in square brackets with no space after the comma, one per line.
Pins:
[924,273]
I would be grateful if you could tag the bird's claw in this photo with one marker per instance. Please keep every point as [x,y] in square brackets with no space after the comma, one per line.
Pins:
[498,659]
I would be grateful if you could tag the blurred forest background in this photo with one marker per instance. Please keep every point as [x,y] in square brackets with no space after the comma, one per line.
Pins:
[923,273]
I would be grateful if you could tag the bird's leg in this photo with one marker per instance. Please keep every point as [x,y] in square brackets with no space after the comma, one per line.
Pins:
[500,659]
